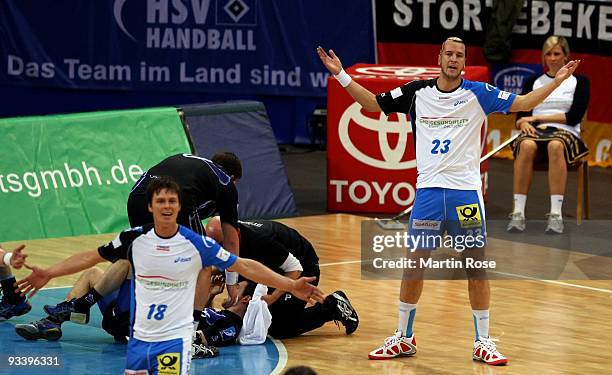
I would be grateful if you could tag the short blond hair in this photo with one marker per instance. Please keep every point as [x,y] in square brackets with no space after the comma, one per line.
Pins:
[453,39]
[552,41]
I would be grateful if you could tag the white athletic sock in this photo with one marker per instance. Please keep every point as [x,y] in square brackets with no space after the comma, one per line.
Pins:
[481,323]
[519,203]
[406,318]
[556,201]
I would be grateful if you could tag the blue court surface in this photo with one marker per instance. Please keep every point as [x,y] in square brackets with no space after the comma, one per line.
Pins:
[88,349]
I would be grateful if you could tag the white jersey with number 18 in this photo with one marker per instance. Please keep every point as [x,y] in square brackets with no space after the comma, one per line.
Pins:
[165,271]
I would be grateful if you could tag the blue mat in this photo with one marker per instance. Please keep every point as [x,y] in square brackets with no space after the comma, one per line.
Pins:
[88,349]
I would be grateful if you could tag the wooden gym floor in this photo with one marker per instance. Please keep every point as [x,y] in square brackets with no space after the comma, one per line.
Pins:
[544,327]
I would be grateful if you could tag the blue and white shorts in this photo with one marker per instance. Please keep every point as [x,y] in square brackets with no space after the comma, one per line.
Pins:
[458,213]
[172,357]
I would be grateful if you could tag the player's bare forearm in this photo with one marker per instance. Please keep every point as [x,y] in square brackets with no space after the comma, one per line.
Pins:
[231,240]
[75,263]
[294,275]
[363,96]
[261,274]
[527,102]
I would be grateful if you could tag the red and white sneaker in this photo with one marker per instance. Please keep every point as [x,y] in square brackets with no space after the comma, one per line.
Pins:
[486,351]
[395,346]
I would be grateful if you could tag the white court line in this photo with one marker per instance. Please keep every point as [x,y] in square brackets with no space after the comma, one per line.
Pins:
[554,282]
[282,357]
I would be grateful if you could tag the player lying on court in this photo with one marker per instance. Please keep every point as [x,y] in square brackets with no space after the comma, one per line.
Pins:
[166,259]
[446,115]
[287,252]
[271,243]
[12,304]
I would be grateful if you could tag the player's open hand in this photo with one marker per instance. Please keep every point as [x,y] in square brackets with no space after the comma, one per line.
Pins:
[18,259]
[566,71]
[305,291]
[331,61]
[32,283]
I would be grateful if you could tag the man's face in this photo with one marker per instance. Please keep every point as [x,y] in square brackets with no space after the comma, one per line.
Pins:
[452,59]
[165,207]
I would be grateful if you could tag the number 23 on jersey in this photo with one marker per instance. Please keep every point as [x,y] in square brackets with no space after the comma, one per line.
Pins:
[440,146]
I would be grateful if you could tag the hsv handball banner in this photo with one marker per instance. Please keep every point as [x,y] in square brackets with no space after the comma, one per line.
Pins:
[70,175]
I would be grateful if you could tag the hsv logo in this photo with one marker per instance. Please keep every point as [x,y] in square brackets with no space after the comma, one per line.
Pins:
[236,9]
[392,157]
[513,79]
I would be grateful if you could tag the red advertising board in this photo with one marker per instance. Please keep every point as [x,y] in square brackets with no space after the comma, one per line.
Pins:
[371,164]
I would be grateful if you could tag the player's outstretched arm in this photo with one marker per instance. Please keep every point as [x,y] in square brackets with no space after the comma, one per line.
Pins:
[361,95]
[527,102]
[257,272]
[15,258]
[41,276]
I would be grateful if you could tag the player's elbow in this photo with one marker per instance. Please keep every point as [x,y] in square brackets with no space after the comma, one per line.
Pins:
[370,104]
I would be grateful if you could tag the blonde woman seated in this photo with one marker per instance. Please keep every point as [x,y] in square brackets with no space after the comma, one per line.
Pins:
[551,132]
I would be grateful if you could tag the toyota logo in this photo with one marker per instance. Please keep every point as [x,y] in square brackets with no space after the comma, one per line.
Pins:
[392,156]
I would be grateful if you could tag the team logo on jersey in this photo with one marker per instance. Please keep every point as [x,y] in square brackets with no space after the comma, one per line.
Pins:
[469,216]
[223,254]
[392,157]
[168,364]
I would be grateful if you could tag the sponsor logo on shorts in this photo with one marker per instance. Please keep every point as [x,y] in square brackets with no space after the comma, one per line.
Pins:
[168,364]
[469,216]
[426,224]
[223,254]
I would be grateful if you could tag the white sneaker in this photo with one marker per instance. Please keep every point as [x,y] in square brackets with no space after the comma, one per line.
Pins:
[395,346]
[486,351]
[517,222]
[555,224]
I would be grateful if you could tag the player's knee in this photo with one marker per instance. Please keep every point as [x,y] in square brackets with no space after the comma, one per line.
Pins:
[94,273]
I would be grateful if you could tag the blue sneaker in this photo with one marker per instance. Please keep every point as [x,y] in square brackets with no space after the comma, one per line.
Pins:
[65,311]
[41,329]
[8,310]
